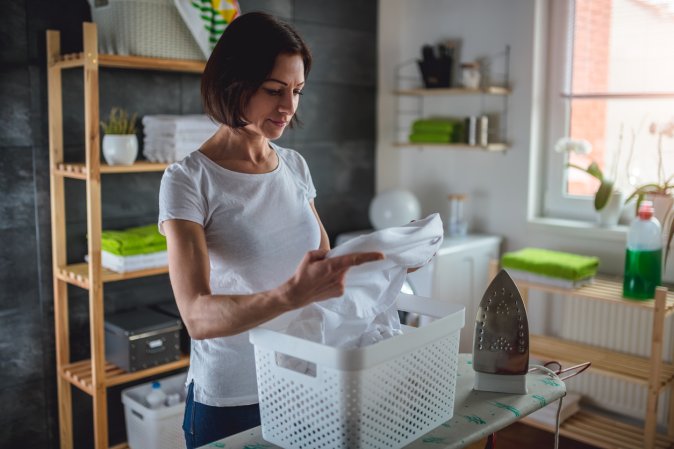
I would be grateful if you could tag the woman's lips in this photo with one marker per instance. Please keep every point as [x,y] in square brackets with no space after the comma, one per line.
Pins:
[279,123]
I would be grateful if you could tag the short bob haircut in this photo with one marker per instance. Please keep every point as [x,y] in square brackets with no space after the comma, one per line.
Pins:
[242,60]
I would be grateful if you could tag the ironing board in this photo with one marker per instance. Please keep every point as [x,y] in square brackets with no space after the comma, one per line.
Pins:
[477,414]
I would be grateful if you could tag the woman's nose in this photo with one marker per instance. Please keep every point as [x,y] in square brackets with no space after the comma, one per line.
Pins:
[287,103]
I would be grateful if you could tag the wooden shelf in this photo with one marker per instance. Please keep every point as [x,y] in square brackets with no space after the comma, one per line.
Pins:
[78,274]
[78,170]
[79,373]
[491,90]
[603,289]
[456,146]
[605,361]
[72,60]
[603,432]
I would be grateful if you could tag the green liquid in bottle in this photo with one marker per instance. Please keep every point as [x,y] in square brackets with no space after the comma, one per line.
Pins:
[642,273]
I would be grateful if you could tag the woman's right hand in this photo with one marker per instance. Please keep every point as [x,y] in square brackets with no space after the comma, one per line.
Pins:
[318,278]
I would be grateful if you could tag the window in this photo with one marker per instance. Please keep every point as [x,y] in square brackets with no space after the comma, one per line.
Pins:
[610,81]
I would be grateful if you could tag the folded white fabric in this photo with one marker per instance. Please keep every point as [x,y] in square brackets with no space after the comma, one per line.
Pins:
[367,313]
[169,138]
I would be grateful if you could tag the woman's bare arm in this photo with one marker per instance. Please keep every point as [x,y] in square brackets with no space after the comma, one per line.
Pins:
[208,316]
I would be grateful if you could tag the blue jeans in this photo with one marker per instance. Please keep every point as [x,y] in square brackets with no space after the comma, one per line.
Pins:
[204,424]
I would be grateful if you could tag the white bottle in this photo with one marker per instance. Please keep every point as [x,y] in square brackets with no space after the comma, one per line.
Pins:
[156,397]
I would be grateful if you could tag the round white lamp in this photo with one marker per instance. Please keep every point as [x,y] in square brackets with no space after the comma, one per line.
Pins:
[394,208]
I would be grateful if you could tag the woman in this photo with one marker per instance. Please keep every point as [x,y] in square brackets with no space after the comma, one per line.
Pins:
[245,242]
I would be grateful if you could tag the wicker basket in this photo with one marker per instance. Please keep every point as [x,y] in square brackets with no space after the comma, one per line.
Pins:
[151,28]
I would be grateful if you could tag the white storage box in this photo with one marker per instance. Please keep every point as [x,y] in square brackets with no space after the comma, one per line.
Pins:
[379,396]
[151,28]
[159,428]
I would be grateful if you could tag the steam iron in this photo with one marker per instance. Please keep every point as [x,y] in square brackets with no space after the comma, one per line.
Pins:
[501,344]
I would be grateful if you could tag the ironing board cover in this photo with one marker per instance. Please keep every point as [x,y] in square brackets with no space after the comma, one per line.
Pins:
[476,413]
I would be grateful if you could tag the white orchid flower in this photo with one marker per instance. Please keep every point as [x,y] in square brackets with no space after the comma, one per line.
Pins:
[570,145]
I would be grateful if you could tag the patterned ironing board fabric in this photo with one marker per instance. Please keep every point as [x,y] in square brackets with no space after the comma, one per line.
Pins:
[476,413]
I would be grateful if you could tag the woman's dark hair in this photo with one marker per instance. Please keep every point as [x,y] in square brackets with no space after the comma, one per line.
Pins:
[242,59]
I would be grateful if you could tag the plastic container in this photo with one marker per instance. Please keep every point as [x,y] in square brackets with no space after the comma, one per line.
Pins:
[643,256]
[156,397]
[380,396]
[159,428]
[143,28]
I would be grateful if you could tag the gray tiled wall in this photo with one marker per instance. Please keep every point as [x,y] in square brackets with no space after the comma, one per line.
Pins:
[338,110]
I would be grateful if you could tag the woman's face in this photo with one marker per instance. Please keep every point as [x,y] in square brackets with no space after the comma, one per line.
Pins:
[273,105]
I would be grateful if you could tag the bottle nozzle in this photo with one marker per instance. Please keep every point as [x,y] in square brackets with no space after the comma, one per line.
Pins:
[645,211]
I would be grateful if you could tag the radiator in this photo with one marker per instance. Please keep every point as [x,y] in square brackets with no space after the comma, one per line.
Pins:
[620,328]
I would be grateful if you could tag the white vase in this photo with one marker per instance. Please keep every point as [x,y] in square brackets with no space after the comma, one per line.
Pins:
[120,149]
[610,214]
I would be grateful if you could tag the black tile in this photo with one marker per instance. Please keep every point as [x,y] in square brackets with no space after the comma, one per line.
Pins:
[18,269]
[279,8]
[13,39]
[355,14]
[343,213]
[65,16]
[23,421]
[333,112]
[190,94]
[143,92]
[15,128]
[341,56]
[17,209]
[21,344]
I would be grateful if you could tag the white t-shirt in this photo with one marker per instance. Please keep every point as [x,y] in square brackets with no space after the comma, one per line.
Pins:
[258,227]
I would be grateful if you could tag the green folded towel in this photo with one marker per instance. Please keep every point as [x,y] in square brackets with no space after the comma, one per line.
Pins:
[435,126]
[133,241]
[551,263]
[430,138]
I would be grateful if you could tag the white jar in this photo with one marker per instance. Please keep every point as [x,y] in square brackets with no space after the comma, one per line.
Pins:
[470,75]
[120,149]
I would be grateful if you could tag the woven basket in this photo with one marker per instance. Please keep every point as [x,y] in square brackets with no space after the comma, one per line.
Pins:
[151,28]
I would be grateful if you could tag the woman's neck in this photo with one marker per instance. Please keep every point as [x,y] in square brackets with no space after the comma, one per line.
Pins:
[240,150]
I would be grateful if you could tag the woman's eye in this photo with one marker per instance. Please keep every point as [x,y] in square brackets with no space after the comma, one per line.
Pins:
[298,92]
[273,92]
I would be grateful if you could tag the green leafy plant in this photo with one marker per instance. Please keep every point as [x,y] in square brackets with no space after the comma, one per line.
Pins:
[606,184]
[119,122]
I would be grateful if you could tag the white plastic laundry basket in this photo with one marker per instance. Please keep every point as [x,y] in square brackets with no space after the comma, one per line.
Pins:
[143,28]
[159,428]
[380,396]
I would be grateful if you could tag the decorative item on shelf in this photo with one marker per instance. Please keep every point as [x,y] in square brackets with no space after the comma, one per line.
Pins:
[207,20]
[470,75]
[393,208]
[436,68]
[457,225]
[120,144]
[608,201]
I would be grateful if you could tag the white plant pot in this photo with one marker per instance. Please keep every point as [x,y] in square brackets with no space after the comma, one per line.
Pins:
[610,214]
[120,149]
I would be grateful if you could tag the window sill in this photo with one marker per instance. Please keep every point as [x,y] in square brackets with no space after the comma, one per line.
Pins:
[576,228]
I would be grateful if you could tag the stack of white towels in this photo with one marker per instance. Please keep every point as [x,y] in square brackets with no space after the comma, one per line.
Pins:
[169,138]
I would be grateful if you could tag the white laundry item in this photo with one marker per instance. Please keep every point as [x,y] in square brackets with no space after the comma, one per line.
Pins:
[181,137]
[179,123]
[367,313]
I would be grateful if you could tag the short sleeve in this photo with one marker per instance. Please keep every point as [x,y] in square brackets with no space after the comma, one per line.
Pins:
[311,190]
[180,197]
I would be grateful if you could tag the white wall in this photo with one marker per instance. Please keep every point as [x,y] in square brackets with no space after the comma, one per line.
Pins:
[497,184]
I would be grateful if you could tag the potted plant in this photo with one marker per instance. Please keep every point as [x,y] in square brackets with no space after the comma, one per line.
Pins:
[120,144]
[607,199]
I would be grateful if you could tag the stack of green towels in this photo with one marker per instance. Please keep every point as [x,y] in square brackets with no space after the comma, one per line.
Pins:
[436,130]
[550,267]
[133,249]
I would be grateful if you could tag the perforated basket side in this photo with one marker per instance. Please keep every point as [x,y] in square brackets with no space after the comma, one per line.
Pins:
[151,28]
[386,406]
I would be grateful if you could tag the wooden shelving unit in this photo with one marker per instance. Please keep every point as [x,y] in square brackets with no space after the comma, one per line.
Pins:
[652,372]
[496,147]
[94,375]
